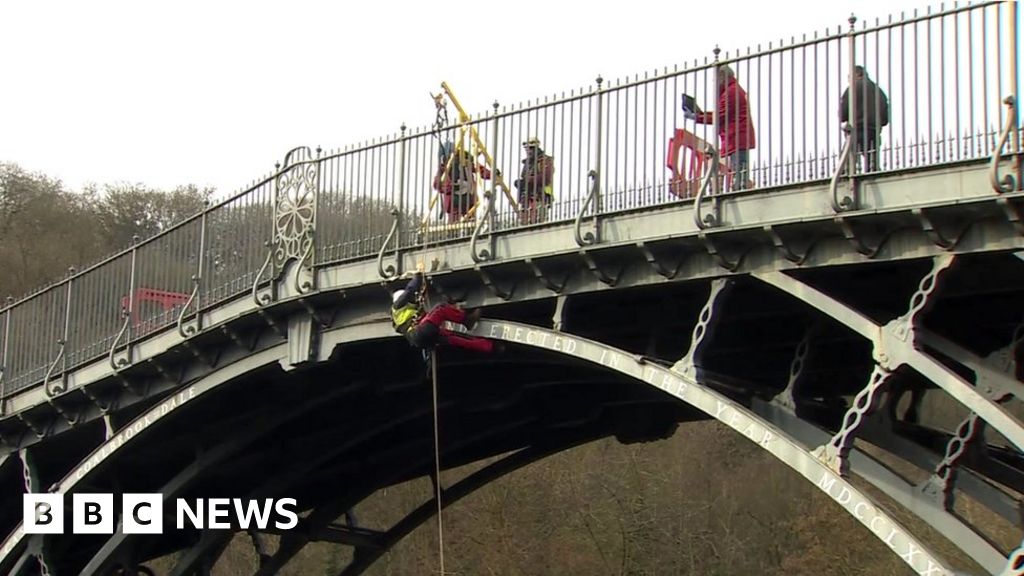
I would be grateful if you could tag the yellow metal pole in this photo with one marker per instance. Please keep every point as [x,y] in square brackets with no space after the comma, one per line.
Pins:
[464,118]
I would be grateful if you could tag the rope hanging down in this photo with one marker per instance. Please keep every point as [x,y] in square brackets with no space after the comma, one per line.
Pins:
[437,464]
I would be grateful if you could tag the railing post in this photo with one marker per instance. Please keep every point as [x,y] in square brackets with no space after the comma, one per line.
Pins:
[67,322]
[131,287]
[494,166]
[197,282]
[598,204]
[853,159]
[201,264]
[1014,91]
[3,355]
[129,314]
[489,199]
[401,188]
[61,360]
[716,184]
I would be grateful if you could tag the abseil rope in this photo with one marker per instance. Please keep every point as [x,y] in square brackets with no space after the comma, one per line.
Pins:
[437,463]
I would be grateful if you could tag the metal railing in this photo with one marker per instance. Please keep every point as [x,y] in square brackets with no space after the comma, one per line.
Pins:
[944,75]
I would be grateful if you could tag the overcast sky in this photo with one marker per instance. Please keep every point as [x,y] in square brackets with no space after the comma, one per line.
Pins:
[214,93]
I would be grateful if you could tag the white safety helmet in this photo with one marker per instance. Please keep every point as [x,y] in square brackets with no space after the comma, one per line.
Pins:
[396,295]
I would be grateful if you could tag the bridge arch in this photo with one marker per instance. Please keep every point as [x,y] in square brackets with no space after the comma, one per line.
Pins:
[762,432]
[673,381]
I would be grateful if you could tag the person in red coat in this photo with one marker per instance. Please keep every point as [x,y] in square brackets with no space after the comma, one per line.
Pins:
[735,126]
[455,180]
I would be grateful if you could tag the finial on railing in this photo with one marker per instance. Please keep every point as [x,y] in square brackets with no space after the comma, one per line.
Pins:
[716,52]
[135,239]
[852,20]
[600,81]
[495,106]
[71,270]
[403,128]
[319,151]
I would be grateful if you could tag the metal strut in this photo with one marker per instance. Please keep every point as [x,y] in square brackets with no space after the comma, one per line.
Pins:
[894,346]
[687,365]
[787,398]
[836,452]
[941,483]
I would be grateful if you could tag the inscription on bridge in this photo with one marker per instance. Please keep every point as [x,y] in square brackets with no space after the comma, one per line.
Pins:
[741,420]
[130,431]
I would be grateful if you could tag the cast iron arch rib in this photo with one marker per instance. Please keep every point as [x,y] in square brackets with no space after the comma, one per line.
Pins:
[767,436]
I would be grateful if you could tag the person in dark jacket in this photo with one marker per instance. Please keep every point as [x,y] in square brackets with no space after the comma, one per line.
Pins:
[535,184]
[425,330]
[735,126]
[871,113]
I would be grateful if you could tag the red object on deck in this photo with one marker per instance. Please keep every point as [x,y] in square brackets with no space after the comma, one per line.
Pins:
[166,299]
[685,180]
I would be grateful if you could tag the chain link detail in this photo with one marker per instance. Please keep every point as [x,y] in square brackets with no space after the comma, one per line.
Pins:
[836,451]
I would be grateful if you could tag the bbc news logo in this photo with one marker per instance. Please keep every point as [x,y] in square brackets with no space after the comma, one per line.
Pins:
[144,513]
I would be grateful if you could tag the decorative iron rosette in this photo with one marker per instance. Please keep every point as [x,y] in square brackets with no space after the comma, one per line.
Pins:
[295,213]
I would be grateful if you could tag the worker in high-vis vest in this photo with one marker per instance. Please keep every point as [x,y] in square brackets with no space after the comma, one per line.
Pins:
[426,329]
[536,183]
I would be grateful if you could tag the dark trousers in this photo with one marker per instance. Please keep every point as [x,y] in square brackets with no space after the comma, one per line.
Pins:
[869,140]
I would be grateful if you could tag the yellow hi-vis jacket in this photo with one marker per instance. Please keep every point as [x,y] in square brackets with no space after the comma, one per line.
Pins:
[405,317]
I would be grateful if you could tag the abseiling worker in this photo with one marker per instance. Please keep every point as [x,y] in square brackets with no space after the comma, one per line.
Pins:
[426,330]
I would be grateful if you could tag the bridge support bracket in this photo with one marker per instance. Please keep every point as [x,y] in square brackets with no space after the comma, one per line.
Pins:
[714,250]
[498,291]
[658,266]
[936,236]
[597,271]
[314,314]
[788,397]
[858,241]
[1012,213]
[39,430]
[104,407]
[786,248]
[558,317]
[545,279]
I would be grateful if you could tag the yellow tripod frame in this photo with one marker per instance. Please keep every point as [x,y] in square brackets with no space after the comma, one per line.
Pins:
[478,149]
